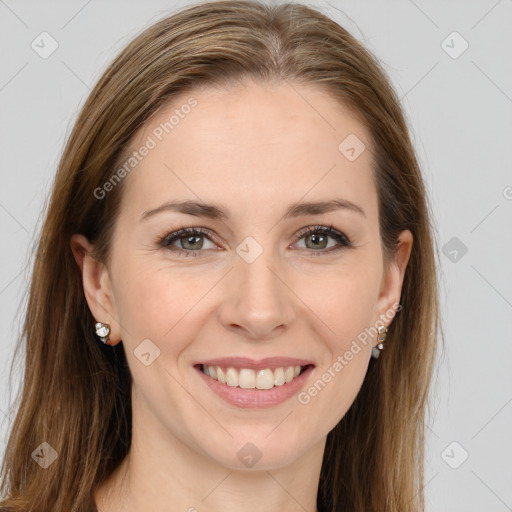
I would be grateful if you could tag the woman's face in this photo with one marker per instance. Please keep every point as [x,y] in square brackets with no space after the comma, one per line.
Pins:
[256,165]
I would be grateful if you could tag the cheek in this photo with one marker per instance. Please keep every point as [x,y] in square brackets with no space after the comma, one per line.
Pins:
[155,302]
[346,304]
[350,308]
[346,307]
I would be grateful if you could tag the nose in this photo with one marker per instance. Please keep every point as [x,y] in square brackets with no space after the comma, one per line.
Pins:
[257,302]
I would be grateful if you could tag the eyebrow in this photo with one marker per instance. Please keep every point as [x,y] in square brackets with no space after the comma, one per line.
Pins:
[212,211]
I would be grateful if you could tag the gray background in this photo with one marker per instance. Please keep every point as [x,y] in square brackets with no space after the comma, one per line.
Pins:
[459,110]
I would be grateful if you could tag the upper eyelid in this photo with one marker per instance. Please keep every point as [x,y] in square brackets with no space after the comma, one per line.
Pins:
[182,232]
[305,230]
[298,235]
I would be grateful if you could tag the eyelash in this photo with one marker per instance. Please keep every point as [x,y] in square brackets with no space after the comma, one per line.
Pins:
[341,238]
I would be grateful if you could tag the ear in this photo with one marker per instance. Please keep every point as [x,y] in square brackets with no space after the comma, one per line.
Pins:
[97,286]
[392,281]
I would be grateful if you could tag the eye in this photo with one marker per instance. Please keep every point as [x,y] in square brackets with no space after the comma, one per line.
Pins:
[316,239]
[191,241]
[188,240]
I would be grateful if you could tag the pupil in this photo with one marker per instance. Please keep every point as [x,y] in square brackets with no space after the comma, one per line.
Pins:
[317,238]
[190,239]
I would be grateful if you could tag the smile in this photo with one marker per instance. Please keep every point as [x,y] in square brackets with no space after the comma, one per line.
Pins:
[266,383]
[248,378]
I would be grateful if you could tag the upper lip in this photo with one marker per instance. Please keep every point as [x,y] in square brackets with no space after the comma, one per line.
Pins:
[255,364]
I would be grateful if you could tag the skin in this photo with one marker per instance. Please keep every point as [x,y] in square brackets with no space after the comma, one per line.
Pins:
[253,149]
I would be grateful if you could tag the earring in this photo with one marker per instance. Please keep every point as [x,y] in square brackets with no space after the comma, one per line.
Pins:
[103,332]
[383,331]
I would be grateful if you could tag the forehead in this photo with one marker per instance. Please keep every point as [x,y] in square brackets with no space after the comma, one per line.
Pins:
[252,146]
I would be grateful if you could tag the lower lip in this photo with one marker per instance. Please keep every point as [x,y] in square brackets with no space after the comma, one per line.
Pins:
[256,398]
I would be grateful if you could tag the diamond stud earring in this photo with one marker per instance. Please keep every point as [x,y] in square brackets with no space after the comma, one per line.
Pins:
[103,332]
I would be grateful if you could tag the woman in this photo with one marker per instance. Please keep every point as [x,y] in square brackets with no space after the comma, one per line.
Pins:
[237,225]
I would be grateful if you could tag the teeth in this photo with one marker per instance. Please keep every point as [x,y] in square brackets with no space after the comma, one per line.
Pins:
[247,378]
[232,377]
[279,376]
[264,379]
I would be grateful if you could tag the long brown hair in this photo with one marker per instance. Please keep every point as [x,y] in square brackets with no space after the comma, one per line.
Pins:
[76,393]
